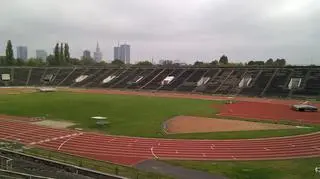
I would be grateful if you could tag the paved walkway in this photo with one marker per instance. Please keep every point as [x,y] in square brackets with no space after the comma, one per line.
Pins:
[175,171]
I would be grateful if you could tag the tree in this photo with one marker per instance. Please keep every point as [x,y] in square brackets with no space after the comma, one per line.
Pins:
[66,53]
[144,63]
[9,53]
[3,60]
[269,62]
[255,63]
[117,62]
[280,62]
[198,63]
[87,61]
[56,55]
[20,62]
[101,63]
[75,61]
[214,63]
[61,55]
[223,60]
[51,60]
[35,62]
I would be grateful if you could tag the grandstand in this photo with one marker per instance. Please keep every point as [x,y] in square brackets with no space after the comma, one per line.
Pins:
[258,82]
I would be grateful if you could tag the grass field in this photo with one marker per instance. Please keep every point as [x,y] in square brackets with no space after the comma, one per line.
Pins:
[280,169]
[128,115]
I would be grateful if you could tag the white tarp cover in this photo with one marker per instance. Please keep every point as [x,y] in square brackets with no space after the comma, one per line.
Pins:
[245,82]
[5,77]
[203,81]
[167,80]
[81,78]
[108,79]
[48,77]
[294,83]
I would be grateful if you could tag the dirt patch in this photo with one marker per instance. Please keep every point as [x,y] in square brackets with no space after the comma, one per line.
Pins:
[14,91]
[55,124]
[189,124]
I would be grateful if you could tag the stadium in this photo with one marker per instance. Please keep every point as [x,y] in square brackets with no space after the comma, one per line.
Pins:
[183,116]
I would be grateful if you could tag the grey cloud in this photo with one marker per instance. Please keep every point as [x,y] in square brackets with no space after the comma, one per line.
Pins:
[186,30]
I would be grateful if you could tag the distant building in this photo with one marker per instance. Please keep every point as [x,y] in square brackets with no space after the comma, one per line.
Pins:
[125,53]
[116,53]
[41,54]
[97,54]
[86,54]
[122,53]
[22,52]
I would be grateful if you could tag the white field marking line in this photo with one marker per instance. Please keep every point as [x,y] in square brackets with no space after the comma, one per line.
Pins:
[67,140]
[54,138]
[21,133]
[153,153]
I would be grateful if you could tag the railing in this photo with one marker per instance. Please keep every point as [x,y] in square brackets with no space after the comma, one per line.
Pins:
[66,167]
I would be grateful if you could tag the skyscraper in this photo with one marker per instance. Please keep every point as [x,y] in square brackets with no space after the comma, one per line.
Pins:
[86,54]
[125,53]
[41,54]
[97,54]
[22,52]
[116,53]
[122,53]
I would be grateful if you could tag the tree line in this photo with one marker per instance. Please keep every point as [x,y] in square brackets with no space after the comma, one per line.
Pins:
[224,61]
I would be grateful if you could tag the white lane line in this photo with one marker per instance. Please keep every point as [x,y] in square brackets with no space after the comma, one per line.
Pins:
[212,147]
[54,138]
[177,152]
[136,140]
[292,145]
[317,148]
[204,155]
[21,133]
[67,140]
[233,157]
[153,153]
[112,139]
[159,144]
[266,148]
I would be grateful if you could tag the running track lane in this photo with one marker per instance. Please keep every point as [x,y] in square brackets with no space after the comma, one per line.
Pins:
[132,150]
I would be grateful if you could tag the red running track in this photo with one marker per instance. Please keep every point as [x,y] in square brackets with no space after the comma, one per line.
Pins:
[132,150]
[268,111]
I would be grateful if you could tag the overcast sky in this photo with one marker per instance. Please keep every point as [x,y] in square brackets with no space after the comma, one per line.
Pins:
[187,30]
